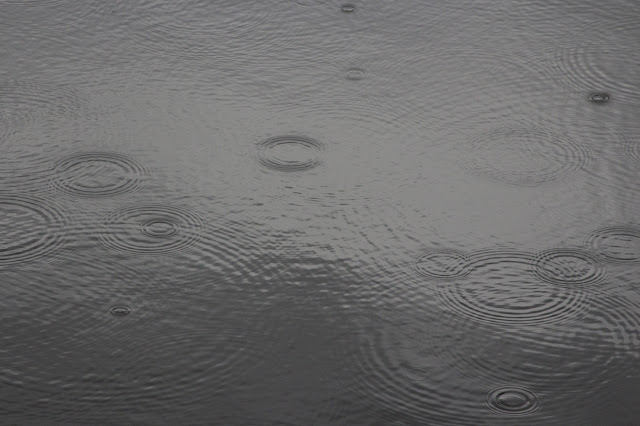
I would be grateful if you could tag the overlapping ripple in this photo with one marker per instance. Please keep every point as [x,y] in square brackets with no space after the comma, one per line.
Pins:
[152,229]
[501,290]
[98,174]
[33,229]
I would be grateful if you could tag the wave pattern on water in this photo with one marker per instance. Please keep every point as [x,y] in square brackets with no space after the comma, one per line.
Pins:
[524,157]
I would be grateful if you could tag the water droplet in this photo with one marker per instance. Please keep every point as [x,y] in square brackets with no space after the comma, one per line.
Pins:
[290,153]
[599,98]
[513,401]
[355,74]
[348,8]
[120,310]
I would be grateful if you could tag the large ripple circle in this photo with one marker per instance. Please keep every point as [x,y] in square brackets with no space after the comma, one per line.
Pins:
[98,174]
[290,153]
[617,244]
[524,156]
[501,290]
[151,229]
[30,228]
[567,266]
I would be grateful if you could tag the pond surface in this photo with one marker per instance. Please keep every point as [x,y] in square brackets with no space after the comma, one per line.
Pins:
[308,212]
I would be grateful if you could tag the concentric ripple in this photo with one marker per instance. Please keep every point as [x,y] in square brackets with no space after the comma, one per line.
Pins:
[524,156]
[512,401]
[98,174]
[567,266]
[152,229]
[617,244]
[290,153]
[501,290]
[31,228]
[447,264]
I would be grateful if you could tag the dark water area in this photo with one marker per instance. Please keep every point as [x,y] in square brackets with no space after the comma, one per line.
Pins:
[309,212]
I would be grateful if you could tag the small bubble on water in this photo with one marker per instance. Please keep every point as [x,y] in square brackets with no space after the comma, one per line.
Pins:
[348,8]
[120,310]
[599,98]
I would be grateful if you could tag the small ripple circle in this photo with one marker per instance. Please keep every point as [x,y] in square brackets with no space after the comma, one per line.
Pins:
[512,400]
[568,266]
[98,174]
[446,264]
[599,98]
[32,228]
[120,310]
[616,244]
[290,153]
[151,229]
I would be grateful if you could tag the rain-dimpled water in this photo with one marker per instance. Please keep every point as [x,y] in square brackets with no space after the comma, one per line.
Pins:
[315,212]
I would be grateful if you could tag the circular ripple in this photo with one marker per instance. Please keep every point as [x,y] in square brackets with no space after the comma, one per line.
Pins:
[600,98]
[443,264]
[501,290]
[618,244]
[512,400]
[524,156]
[98,174]
[120,310]
[573,267]
[290,153]
[31,228]
[152,229]
[355,74]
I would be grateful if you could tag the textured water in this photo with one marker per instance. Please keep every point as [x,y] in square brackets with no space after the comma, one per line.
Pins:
[312,212]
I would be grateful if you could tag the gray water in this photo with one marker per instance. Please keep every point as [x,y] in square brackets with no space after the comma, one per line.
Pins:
[304,212]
